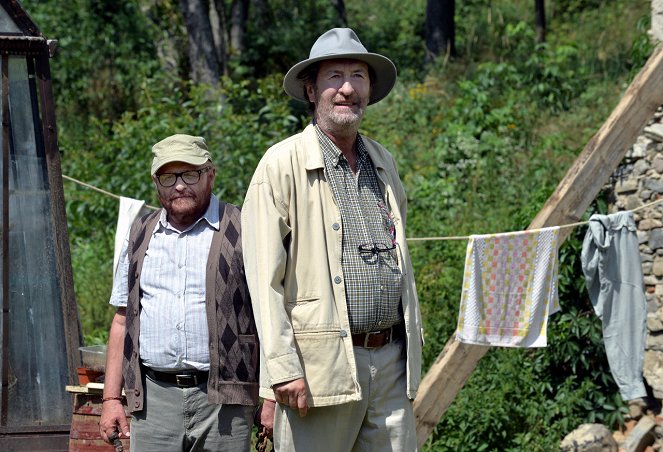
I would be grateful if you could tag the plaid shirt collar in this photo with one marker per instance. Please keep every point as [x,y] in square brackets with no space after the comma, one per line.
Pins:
[332,154]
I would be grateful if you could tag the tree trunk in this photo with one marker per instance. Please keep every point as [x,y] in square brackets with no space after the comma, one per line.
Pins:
[440,28]
[238,15]
[168,43]
[339,6]
[203,60]
[217,16]
[540,12]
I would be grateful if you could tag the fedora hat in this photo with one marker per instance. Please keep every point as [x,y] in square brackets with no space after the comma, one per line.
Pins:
[342,43]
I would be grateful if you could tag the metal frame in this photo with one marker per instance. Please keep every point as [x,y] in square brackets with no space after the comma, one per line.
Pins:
[37,50]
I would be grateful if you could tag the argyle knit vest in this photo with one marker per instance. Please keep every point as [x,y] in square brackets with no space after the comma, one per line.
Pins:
[233,338]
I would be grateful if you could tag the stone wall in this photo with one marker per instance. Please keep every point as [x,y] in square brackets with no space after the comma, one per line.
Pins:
[656,30]
[637,182]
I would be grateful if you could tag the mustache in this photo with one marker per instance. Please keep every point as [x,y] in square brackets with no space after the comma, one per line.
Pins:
[341,98]
[348,100]
[180,196]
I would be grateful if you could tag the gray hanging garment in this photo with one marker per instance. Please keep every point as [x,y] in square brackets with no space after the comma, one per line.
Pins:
[613,272]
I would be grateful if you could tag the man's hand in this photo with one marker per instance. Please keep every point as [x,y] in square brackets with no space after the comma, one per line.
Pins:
[293,394]
[113,420]
[265,416]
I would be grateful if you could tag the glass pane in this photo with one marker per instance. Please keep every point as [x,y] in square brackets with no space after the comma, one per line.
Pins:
[7,24]
[38,357]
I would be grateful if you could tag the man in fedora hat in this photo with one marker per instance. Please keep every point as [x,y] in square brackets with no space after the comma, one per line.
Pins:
[328,266]
[183,343]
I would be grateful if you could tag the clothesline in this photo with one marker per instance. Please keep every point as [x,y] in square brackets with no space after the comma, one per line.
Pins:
[410,239]
[107,193]
[563,226]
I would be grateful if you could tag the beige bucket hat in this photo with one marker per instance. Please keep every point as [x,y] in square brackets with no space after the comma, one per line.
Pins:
[343,43]
[180,148]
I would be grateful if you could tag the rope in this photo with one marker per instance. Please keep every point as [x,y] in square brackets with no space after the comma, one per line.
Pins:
[107,193]
[564,226]
[409,239]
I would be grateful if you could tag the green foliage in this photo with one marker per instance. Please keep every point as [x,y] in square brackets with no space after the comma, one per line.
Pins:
[570,7]
[399,35]
[642,45]
[286,44]
[94,274]
[232,118]
[105,50]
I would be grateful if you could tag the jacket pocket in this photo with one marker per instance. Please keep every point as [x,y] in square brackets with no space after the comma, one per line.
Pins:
[312,314]
[326,364]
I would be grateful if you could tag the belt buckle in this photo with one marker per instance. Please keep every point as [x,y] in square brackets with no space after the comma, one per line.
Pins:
[186,380]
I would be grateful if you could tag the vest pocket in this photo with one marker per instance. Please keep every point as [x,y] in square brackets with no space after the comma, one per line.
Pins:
[248,344]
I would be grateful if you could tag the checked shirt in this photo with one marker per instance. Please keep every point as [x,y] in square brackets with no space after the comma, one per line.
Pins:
[372,279]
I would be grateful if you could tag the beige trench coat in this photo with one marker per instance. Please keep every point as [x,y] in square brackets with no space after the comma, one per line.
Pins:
[291,238]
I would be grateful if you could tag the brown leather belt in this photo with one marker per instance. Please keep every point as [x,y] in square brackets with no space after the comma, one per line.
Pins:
[374,339]
[184,379]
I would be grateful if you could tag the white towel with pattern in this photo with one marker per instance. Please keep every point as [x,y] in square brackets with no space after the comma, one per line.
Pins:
[509,288]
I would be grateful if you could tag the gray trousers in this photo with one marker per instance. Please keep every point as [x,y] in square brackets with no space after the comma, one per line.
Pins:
[383,420]
[182,419]
[613,273]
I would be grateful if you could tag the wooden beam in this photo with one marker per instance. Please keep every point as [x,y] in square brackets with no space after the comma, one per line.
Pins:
[574,194]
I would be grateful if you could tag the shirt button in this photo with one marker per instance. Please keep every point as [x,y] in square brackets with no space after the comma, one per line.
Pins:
[336,226]
[137,392]
[337,280]
[343,333]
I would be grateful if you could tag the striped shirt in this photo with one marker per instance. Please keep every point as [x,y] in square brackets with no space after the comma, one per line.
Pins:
[372,278]
[173,319]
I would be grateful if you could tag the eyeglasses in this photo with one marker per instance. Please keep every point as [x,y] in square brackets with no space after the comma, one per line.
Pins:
[190,177]
[375,248]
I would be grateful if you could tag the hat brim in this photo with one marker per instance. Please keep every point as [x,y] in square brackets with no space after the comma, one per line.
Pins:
[384,68]
[191,160]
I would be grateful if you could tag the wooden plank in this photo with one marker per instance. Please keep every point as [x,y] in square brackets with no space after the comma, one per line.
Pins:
[56,442]
[641,436]
[90,388]
[572,197]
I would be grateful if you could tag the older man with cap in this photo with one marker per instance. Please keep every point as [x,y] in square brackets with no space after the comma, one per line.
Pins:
[183,343]
[328,267]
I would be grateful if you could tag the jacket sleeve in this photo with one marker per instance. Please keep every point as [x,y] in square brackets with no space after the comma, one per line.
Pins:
[265,231]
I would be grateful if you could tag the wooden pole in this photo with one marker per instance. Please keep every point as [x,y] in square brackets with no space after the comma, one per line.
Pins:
[573,195]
